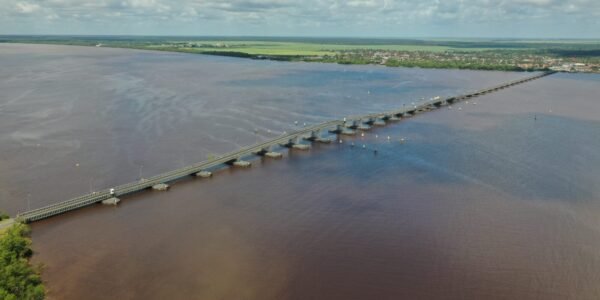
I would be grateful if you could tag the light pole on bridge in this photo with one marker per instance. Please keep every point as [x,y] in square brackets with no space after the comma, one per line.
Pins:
[140,172]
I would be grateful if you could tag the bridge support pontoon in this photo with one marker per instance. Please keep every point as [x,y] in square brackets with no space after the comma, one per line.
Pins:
[379,122]
[337,130]
[316,136]
[241,163]
[364,126]
[160,187]
[204,174]
[294,143]
[111,201]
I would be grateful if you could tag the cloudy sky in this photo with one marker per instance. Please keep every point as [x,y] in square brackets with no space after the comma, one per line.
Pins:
[373,18]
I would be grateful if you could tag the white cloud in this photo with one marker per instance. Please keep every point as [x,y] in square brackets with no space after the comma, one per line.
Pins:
[332,17]
[26,7]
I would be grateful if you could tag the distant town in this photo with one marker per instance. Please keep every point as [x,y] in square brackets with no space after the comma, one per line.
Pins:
[484,60]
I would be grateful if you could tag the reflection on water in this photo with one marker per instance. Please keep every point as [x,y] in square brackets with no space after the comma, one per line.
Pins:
[497,200]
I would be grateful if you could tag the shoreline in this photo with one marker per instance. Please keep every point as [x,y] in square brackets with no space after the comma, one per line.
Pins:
[312,59]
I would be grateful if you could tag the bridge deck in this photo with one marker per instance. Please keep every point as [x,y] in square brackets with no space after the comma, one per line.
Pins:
[88,199]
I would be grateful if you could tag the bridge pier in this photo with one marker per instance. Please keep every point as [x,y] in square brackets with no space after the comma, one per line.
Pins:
[315,136]
[338,129]
[241,163]
[364,125]
[160,187]
[238,162]
[273,154]
[268,152]
[204,174]
[379,122]
[301,146]
[324,140]
[290,142]
[352,124]
[111,201]
[348,131]
[370,121]
[294,143]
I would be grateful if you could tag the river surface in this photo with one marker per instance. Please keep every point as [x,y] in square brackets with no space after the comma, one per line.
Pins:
[495,199]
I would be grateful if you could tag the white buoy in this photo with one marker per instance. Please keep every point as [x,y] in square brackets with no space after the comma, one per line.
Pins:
[376,136]
[362,134]
[77,164]
[341,141]
[389,137]
[364,146]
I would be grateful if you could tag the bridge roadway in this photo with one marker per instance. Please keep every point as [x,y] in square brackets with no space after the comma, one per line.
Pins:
[284,139]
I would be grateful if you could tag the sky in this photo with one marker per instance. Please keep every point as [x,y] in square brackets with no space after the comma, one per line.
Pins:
[351,18]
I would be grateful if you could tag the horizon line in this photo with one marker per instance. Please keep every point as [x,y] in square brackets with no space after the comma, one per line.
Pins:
[298,36]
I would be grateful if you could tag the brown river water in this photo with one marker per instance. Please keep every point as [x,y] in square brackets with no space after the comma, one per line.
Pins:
[494,200]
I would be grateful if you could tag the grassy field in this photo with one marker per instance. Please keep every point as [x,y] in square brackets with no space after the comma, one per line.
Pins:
[297,48]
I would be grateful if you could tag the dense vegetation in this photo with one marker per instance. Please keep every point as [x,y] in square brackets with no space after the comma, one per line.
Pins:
[18,280]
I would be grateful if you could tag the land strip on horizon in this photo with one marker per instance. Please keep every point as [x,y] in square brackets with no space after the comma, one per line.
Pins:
[474,54]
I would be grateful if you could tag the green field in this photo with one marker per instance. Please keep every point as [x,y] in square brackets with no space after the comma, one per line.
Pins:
[297,48]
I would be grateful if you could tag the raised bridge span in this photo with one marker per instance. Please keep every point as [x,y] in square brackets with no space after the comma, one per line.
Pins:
[310,133]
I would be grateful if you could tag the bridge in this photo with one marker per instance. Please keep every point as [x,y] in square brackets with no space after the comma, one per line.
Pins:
[293,139]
